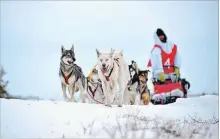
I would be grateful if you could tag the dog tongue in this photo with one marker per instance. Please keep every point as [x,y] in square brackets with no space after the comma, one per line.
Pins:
[104,70]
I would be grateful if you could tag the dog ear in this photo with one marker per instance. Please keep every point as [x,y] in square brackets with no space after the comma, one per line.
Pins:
[121,53]
[137,70]
[98,53]
[112,52]
[62,49]
[72,48]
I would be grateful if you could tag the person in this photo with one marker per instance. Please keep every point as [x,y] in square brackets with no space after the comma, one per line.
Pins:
[165,58]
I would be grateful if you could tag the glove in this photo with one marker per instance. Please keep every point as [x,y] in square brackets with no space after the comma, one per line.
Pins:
[162,77]
[177,72]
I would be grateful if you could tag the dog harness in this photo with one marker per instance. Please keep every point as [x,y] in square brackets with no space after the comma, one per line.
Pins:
[66,77]
[108,77]
[167,59]
[77,71]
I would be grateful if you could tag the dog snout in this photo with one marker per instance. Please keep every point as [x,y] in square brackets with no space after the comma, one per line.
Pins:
[103,65]
[70,62]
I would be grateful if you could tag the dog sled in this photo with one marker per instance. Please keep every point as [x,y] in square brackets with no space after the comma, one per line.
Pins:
[170,90]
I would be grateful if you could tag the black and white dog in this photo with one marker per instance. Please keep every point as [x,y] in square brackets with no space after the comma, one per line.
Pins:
[71,75]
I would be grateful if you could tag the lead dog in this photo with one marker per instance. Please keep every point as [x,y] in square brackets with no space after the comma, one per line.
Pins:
[112,70]
[71,75]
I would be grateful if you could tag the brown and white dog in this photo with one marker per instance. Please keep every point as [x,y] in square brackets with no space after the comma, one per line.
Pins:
[144,91]
[137,87]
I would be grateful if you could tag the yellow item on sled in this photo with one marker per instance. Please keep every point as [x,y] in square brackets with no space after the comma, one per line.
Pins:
[162,77]
[177,72]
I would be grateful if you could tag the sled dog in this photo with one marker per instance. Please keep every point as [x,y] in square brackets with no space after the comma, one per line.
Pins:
[94,88]
[71,75]
[112,71]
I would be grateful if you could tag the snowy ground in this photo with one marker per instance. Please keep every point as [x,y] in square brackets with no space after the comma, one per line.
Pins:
[187,118]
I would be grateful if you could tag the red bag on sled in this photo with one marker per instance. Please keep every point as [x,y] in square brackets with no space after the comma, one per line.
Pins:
[168,86]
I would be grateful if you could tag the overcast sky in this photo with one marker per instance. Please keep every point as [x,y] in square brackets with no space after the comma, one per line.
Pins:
[32,34]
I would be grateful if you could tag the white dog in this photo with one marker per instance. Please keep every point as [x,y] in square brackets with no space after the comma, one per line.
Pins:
[112,71]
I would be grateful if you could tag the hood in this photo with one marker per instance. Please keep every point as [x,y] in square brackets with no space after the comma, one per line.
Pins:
[167,46]
[156,38]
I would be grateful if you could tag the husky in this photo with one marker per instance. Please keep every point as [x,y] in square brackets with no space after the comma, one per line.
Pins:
[132,89]
[137,87]
[133,70]
[112,71]
[94,88]
[144,97]
[71,75]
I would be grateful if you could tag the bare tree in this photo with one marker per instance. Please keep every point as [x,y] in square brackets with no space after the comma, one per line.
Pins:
[4,93]
[3,84]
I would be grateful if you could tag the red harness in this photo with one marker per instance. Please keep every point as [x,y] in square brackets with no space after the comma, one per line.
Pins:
[93,92]
[108,77]
[66,77]
[95,99]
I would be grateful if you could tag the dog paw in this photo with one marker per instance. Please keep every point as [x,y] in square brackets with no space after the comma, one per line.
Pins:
[72,100]
[108,105]
[66,99]
[119,105]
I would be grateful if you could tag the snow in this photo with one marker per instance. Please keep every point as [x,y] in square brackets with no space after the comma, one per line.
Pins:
[59,119]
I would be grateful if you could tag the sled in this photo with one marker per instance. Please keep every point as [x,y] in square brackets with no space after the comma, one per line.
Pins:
[168,86]
[167,92]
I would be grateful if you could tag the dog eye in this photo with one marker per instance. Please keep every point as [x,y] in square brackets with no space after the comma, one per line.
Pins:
[106,60]
[101,60]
